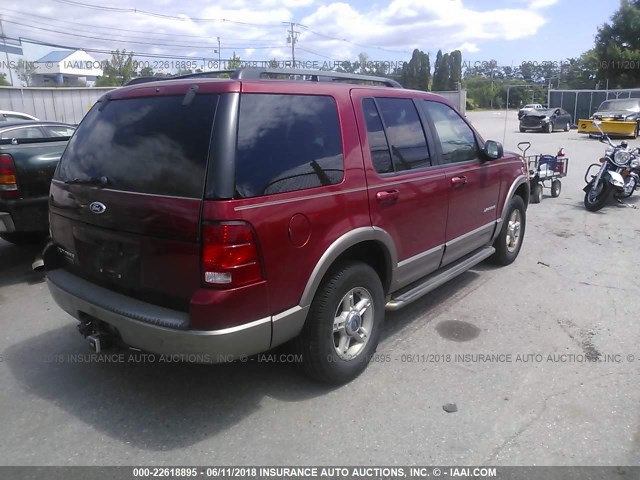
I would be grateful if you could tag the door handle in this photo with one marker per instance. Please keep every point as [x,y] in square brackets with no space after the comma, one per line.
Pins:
[458,181]
[390,196]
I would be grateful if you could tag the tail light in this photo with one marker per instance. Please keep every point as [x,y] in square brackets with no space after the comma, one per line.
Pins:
[229,255]
[8,177]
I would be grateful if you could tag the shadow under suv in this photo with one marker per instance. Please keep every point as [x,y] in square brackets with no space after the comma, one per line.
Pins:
[215,218]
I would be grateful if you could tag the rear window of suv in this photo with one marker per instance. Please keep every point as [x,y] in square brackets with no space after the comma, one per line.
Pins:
[287,143]
[151,145]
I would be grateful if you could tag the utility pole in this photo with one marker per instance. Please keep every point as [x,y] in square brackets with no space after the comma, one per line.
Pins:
[219,54]
[4,42]
[292,38]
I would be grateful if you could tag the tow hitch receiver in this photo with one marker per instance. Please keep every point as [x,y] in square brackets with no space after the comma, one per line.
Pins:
[99,339]
[97,342]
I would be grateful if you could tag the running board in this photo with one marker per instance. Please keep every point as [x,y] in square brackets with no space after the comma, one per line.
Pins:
[436,279]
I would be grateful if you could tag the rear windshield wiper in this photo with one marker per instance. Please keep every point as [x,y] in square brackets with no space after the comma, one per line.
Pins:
[99,181]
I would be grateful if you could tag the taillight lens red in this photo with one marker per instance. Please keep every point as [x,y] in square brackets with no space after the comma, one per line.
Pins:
[229,255]
[8,177]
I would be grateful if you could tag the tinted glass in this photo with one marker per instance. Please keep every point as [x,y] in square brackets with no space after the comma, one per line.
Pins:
[457,140]
[380,155]
[147,145]
[404,132]
[58,131]
[286,143]
[26,132]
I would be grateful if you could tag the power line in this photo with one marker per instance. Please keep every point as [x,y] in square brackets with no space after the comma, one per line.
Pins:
[144,32]
[191,46]
[160,15]
[193,19]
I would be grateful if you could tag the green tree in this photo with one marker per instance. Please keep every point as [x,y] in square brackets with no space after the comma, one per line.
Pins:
[25,71]
[416,74]
[234,62]
[455,69]
[147,72]
[441,72]
[3,80]
[117,71]
[617,47]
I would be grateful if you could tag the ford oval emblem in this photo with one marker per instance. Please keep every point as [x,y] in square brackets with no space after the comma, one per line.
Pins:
[97,207]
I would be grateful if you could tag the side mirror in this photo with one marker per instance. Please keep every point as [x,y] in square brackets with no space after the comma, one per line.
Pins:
[493,150]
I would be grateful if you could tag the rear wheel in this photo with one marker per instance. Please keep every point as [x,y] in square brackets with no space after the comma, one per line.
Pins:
[597,196]
[509,240]
[23,238]
[556,187]
[343,327]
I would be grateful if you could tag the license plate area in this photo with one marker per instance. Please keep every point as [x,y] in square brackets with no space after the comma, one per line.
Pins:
[110,258]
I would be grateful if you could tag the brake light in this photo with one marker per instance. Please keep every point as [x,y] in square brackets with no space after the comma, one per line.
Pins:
[8,177]
[229,255]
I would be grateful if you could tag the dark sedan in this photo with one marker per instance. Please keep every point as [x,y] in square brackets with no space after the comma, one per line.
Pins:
[546,120]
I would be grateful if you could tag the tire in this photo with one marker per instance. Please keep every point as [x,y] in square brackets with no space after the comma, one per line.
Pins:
[536,193]
[556,188]
[333,352]
[595,201]
[567,127]
[522,130]
[510,239]
[23,238]
[550,127]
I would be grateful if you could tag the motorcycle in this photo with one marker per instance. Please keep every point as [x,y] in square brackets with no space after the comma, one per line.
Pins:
[618,174]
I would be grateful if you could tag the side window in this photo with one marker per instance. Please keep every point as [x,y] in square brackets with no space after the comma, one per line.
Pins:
[26,132]
[287,143]
[380,155]
[404,132]
[457,140]
[58,131]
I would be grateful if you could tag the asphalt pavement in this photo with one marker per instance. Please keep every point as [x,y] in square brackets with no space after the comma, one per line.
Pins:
[541,359]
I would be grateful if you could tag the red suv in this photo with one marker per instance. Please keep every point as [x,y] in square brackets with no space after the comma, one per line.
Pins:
[215,218]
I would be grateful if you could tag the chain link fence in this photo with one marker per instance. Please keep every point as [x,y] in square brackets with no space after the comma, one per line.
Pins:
[584,103]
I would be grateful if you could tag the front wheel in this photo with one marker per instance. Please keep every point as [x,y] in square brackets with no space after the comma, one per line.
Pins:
[550,127]
[597,196]
[556,188]
[343,327]
[510,239]
[567,127]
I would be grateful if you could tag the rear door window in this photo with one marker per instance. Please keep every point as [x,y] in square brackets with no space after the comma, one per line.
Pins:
[151,145]
[404,133]
[287,143]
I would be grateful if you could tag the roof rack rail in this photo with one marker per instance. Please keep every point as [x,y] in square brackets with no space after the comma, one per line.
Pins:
[253,73]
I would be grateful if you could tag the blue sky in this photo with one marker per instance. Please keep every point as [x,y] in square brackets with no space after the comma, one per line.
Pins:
[509,32]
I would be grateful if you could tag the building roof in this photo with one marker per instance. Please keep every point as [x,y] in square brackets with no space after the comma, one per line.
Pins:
[55,56]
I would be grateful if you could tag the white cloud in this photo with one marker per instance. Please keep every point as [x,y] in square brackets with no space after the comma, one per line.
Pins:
[539,4]
[385,29]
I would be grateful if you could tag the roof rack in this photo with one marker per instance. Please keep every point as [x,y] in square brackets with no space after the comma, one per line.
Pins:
[253,73]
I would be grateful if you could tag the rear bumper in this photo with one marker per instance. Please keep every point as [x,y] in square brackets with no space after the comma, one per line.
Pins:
[24,215]
[6,223]
[156,329]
